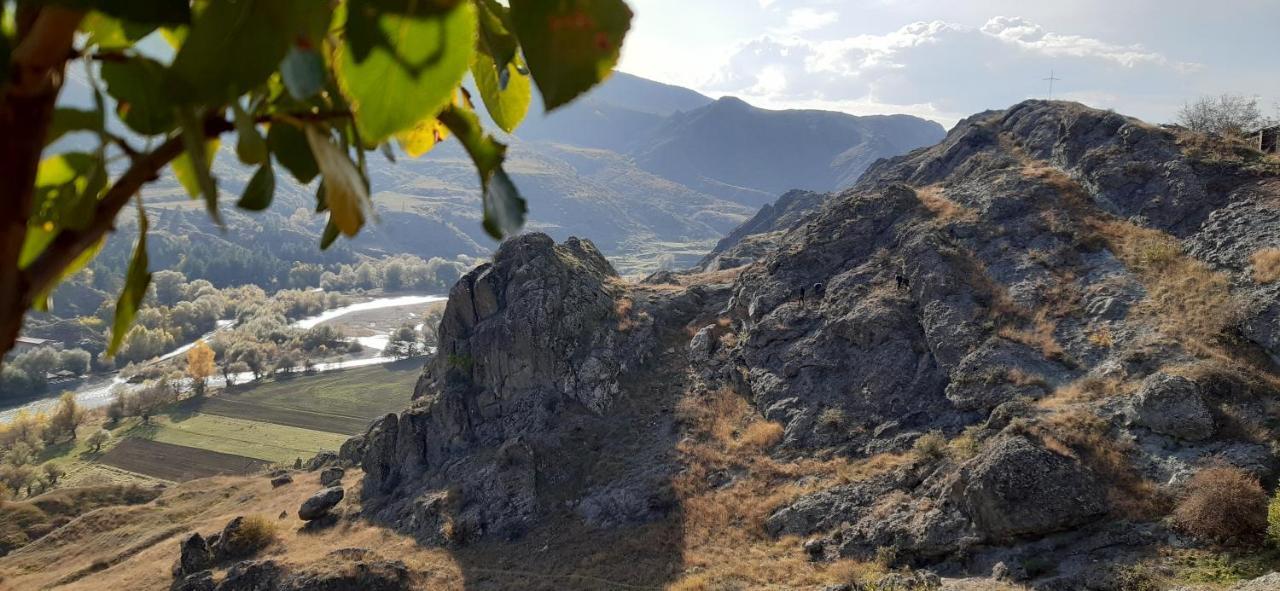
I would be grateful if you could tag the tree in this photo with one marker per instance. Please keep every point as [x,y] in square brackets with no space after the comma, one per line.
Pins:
[199,365]
[16,477]
[52,472]
[75,361]
[403,342]
[325,78]
[98,439]
[67,417]
[1227,114]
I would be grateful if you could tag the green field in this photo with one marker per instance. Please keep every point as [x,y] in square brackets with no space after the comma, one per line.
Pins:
[252,439]
[365,393]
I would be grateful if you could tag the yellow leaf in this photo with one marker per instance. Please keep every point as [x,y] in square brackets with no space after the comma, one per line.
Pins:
[422,137]
[344,189]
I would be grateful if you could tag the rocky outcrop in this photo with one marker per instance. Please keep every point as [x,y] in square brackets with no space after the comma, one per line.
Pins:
[1174,406]
[532,348]
[1017,488]
[758,236]
[319,504]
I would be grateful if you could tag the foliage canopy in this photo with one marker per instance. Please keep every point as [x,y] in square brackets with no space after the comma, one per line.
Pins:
[308,87]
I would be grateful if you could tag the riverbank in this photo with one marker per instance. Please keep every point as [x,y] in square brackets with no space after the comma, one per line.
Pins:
[98,391]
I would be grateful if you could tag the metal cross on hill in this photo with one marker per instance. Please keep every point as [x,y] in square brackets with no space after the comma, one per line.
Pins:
[1051,80]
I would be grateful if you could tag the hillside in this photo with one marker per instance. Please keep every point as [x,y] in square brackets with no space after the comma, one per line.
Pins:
[1040,354]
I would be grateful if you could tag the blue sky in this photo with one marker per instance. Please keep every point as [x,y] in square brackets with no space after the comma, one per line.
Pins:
[946,59]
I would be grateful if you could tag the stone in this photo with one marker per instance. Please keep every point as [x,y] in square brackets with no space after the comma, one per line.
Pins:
[252,575]
[1267,582]
[353,569]
[319,504]
[194,556]
[331,476]
[322,459]
[232,545]
[1173,405]
[1016,487]
[197,581]
[281,480]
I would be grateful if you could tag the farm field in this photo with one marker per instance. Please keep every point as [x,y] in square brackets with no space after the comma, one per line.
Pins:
[264,441]
[176,462]
[337,402]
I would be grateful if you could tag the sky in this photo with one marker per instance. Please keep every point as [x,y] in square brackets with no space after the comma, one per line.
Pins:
[946,59]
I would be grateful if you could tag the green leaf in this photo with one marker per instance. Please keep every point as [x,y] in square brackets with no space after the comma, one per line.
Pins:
[507,105]
[345,192]
[106,32]
[496,38]
[421,138]
[260,190]
[303,72]
[292,151]
[4,51]
[193,166]
[67,120]
[504,209]
[66,191]
[250,147]
[570,45]
[136,280]
[398,70]
[138,85]
[235,45]
[152,12]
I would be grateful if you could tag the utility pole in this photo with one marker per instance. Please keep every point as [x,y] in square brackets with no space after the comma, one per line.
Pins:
[1051,80]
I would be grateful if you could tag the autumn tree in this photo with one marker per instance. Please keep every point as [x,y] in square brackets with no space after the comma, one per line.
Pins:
[200,365]
[309,87]
[97,439]
[67,417]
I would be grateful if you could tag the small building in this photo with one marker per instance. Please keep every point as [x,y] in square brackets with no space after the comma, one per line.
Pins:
[28,343]
[1265,139]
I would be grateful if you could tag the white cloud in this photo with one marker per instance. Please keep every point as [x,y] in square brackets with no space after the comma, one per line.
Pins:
[809,19]
[945,68]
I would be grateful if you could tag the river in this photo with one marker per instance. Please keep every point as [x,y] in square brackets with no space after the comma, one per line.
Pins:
[99,391]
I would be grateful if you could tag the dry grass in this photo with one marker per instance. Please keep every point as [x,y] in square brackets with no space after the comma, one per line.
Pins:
[945,210]
[1101,336]
[1075,431]
[1223,504]
[1188,300]
[1266,265]
[931,445]
[622,309]
[1038,336]
[725,545]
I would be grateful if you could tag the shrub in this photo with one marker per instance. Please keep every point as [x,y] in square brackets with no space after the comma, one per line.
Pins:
[1266,265]
[931,445]
[1273,519]
[966,445]
[831,419]
[1223,504]
[255,533]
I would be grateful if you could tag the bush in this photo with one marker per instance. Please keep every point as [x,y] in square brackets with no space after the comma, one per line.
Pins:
[1223,504]
[1273,520]
[931,445]
[255,533]
[831,419]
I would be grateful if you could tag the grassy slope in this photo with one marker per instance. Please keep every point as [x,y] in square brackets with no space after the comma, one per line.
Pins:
[367,392]
[264,441]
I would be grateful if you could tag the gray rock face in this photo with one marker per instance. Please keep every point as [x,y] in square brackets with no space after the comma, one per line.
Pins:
[252,575]
[331,476]
[1173,405]
[1268,582]
[350,569]
[194,556]
[530,346]
[1018,488]
[198,581]
[319,504]
[230,544]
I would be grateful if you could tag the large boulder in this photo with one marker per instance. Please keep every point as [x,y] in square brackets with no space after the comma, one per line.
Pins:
[1016,487]
[349,569]
[531,347]
[319,504]
[331,476]
[252,575]
[1173,405]
[194,556]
